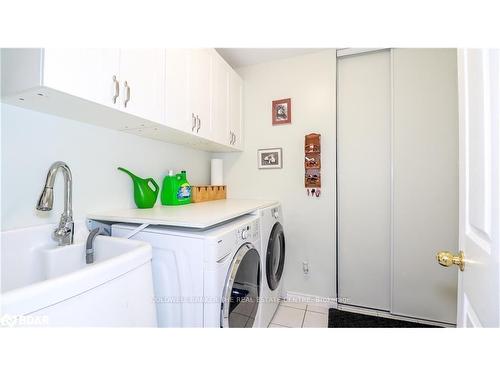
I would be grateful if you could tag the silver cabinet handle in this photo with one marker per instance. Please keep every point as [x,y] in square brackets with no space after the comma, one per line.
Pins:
[234,138]
[199,124]
[117,89]
[193,120]
[127,97]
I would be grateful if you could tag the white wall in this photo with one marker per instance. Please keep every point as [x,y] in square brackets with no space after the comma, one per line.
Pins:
[309,222]
[31,141]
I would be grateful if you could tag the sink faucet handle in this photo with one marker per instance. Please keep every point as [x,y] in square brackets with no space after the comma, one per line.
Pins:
[64,233]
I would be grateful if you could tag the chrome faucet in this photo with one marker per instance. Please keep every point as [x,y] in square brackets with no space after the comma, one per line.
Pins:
[64,233]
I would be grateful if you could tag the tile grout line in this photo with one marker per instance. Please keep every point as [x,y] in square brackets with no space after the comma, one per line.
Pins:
[314,312]
[317,312]
[280,305]
[272,318]
[296,308]
[305,311]
[303,318]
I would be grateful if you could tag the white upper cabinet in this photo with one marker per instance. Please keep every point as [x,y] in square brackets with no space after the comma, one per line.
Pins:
[235,111]
[177,113]
[142,83]
[226,100]
[220,99]
[190,97]
[88,73]
[200,90]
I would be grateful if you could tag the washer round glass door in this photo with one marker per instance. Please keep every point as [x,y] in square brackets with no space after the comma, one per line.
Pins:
[242,289]
[275,256]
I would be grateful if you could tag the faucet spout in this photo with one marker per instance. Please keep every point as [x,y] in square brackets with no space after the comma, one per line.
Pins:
[64,233]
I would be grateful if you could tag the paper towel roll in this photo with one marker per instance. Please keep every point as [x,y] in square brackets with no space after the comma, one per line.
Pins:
[216,172]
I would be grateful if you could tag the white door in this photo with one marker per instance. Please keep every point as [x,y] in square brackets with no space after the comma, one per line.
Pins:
[363,141]
[177,113]
[142,82]
[199,90]
[479,228]
[87,73]
[220,99]
[235,111]
[425,182]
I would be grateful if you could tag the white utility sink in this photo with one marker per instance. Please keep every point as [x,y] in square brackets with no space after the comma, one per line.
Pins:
[44,284]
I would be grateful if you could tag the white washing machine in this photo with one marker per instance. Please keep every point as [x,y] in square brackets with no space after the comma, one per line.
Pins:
[207,278]
[272,262]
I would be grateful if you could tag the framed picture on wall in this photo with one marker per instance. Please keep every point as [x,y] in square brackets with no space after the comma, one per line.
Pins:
[270,158]
[282,111]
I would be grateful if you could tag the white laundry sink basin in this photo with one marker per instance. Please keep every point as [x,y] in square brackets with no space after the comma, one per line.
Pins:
[55,285]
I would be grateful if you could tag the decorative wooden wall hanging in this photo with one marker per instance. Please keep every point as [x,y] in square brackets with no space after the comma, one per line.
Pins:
[312,164]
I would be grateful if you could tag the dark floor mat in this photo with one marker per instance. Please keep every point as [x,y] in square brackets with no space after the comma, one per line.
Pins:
[346,319]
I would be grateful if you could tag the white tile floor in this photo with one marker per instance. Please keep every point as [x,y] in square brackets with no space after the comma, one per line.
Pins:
[299,315]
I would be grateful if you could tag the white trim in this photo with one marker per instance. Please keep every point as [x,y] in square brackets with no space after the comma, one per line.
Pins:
[462,116]
[388,315]
[357,51]
[391,184]
[469,315]
[310,299]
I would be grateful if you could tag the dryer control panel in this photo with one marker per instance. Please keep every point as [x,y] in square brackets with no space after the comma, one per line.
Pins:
[228,238]
[248,233]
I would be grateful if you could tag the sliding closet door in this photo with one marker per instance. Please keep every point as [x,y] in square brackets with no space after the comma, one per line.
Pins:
[425,182]
[363,126]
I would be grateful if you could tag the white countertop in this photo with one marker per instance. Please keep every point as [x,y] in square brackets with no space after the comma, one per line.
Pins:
[194,215]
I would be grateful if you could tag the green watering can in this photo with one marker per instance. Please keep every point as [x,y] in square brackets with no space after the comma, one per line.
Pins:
[144,195]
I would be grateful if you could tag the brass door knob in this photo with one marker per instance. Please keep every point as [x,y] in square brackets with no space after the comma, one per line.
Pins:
[447,258]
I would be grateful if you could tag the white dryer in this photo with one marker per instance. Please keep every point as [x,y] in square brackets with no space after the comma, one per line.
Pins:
[272,262]
[204,278]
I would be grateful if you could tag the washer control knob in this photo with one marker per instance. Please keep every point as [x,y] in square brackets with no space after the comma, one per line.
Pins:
[244,234]
[276,214]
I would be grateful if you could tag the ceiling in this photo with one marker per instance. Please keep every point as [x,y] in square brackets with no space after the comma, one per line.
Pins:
[238,57]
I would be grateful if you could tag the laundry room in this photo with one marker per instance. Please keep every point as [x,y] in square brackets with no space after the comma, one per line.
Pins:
[285,148]
[197,187]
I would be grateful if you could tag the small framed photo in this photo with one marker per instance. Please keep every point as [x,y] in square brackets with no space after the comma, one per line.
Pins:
[282,111]
[270,158]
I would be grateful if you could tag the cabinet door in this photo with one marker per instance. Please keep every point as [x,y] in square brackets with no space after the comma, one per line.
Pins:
[83,72]
[177,111]
[199,89]
[220,99]
[235,111]
[142,82]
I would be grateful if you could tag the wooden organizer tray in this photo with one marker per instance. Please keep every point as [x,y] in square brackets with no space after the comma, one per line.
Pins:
[207,193]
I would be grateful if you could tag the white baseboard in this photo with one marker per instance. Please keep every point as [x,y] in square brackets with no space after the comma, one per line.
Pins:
[385,314]
[310,299]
